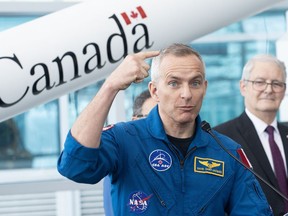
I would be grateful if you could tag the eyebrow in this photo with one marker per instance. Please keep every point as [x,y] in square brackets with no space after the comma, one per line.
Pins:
[263,79]
[179,77]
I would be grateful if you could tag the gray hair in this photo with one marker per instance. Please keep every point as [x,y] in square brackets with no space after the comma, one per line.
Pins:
[175,49]
[262,58]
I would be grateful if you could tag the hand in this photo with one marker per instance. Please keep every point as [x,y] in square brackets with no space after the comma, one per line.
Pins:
[132,69]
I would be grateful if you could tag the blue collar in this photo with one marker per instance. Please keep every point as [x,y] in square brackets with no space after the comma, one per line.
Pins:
[156,129]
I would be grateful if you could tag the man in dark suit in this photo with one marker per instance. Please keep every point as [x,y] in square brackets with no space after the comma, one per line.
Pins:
[263,87]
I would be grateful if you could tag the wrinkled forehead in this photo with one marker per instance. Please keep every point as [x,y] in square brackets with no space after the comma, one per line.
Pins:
[188,63]
[172,59]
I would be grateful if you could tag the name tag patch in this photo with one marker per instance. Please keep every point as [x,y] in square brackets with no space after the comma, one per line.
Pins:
[209,166]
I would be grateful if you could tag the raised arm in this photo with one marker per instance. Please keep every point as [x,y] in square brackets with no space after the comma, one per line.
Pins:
[88,127]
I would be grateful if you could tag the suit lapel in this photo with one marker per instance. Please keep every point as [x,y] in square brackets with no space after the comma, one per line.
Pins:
[255,147]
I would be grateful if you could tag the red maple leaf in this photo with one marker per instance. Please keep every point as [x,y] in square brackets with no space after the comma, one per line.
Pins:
[133,15]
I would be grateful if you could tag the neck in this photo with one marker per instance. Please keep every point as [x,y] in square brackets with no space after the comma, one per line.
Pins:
[180,130]
[267,117]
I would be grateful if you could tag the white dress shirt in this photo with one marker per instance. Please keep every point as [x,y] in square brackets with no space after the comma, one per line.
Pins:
[260,127]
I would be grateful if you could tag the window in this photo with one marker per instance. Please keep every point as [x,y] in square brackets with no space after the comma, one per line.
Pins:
[32,139]
[225,60]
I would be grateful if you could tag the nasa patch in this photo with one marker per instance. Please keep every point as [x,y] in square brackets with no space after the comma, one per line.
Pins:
[160,160]
[138,202]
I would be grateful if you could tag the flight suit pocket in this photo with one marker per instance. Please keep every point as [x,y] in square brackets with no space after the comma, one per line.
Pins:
[164,196]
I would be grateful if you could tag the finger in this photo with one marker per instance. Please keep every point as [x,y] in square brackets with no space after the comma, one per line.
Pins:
[145,66]
[138,80]
[141,76]
[148,54]
[144,73]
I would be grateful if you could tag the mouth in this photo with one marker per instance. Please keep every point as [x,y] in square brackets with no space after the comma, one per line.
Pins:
[186,108]
[267,99]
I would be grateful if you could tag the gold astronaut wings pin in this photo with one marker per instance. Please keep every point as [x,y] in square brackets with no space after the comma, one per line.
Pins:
[209,166]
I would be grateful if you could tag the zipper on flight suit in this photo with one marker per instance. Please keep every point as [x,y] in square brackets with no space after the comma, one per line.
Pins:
[162,202]
[186,156]
[181,161]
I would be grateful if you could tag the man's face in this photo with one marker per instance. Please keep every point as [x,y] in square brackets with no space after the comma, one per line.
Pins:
[266,101]
[180,89]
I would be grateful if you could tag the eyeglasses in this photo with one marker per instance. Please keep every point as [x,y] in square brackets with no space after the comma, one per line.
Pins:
[260,85]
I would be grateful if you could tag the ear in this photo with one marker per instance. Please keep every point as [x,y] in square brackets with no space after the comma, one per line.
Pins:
[206,85]
[153,90]
[242,87]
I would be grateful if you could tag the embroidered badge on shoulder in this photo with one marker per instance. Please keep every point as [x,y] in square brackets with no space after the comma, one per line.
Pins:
[108,127]
[244,158]
[209,166]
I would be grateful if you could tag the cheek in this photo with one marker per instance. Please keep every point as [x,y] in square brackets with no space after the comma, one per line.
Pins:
[198,95]
[163,92]
[281,96]
[251,94]
[167,98]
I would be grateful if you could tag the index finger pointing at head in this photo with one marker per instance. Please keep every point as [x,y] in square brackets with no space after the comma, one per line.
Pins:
[148,54]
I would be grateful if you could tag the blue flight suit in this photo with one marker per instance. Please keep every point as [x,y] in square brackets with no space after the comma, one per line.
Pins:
[150,176]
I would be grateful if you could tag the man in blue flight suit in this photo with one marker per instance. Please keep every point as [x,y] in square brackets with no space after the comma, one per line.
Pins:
[164,164]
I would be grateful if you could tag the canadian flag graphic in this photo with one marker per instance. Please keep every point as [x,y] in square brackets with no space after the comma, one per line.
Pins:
[134,15]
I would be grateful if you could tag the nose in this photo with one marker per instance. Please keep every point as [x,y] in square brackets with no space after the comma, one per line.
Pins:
[186,92]
[269,87]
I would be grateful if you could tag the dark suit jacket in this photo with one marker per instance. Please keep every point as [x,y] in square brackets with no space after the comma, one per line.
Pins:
[242,130]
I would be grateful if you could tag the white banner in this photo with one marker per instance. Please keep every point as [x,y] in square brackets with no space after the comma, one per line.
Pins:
[75,47]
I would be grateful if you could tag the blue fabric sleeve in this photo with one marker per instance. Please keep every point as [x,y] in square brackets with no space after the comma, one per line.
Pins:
[79,163]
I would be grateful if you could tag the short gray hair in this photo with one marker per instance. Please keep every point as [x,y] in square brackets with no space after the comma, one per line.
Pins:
[175,49]
[262,58]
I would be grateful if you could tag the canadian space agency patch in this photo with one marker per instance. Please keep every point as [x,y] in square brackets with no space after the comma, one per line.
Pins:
[160,160]
[138,202]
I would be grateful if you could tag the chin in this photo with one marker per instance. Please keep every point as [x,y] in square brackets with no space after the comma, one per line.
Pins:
[269,109]
[269,106]
[187,119]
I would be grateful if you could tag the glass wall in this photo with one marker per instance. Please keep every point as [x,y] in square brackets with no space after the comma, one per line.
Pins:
[226,58]
[32,139]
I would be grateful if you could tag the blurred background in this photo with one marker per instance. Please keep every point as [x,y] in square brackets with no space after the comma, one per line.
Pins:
[30,143]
